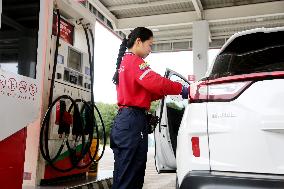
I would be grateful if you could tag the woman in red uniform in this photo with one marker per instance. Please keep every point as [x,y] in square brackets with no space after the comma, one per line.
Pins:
[137,85]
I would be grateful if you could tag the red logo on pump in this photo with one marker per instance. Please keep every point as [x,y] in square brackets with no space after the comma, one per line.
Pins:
[66,29]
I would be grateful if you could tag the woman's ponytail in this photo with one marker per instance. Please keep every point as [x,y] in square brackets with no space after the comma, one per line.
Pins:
[139,32]
[122,49]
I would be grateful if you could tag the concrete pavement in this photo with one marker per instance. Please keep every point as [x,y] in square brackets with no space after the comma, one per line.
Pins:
[153,180]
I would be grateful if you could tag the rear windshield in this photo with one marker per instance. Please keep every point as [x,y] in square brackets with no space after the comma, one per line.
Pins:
[267,56]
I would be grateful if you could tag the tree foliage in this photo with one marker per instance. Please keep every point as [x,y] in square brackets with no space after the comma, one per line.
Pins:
[108,113]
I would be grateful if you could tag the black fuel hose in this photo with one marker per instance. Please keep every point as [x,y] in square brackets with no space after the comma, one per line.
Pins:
[78,124]
[94,107]
[44,133]
[43,148]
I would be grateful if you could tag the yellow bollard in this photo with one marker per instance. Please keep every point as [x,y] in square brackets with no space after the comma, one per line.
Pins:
[93,169]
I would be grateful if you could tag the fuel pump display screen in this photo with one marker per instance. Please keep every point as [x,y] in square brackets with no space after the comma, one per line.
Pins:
[75,60]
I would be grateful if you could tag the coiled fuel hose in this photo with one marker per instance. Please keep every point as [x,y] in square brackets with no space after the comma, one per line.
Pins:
[81,127]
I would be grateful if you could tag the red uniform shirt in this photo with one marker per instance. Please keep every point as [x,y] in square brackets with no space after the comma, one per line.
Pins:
[139,85]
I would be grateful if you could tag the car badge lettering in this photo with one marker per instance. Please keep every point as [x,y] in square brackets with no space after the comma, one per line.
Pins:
[223,115]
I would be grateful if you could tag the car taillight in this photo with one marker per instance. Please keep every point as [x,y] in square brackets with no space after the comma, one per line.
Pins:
[227,88]
[195,146]
[210,91]
[226,91]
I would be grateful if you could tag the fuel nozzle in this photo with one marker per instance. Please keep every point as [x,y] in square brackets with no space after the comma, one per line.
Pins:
[87,119]
[77,129]
[63,119]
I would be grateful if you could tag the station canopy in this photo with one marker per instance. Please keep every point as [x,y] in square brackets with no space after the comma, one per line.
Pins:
[172,20]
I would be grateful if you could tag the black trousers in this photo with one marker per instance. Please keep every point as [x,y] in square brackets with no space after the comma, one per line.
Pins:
[129,142]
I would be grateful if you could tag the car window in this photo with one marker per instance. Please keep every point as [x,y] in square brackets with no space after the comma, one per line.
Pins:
[262,60]
[259,57]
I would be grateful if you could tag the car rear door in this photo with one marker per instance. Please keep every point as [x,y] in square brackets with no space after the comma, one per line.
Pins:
[170,112]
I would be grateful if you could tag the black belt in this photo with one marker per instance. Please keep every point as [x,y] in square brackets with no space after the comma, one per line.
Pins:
[132,107]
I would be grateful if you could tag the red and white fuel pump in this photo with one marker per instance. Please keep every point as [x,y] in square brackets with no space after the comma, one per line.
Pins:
[46,91]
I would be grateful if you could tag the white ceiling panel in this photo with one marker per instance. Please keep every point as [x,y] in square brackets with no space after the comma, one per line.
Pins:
[171,20]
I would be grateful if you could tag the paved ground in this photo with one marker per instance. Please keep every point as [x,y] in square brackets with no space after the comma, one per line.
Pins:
[153,180]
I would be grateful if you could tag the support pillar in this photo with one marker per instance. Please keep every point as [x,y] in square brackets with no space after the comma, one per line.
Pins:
[200,45]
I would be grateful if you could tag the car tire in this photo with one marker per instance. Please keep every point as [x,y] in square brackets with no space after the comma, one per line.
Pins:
[177,186]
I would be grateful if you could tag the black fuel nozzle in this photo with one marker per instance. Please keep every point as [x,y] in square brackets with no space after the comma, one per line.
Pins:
[77,129]
[87,119]
[63,118]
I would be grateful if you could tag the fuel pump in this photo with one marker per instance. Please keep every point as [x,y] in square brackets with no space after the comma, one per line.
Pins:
[46,82]
[69,123]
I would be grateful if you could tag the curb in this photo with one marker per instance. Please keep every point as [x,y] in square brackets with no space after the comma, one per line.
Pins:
[100,184]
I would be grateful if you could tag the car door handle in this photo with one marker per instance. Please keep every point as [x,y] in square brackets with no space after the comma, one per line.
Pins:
[164,125]
[276,126]
[274,130]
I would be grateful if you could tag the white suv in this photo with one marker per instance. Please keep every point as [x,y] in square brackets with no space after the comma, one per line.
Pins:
[230,134]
